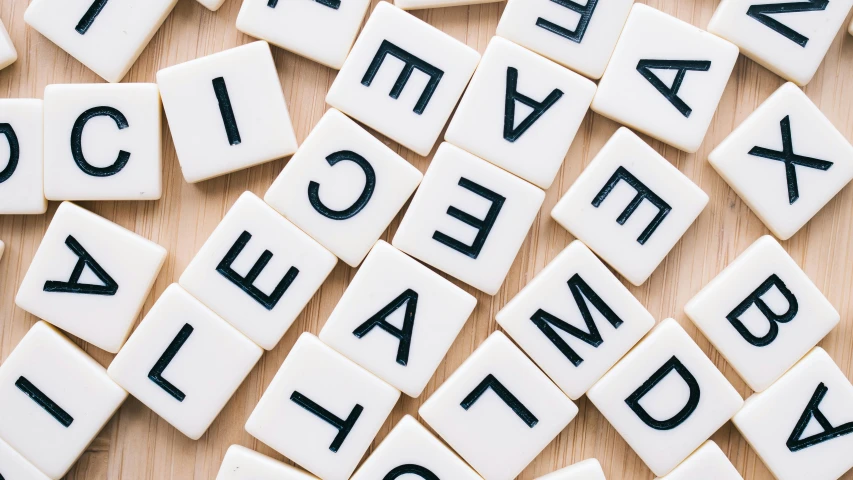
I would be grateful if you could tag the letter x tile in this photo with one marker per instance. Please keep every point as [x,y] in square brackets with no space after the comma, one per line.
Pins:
[630,206]
[241,463]
[498,410]
[786,161]
[13,466]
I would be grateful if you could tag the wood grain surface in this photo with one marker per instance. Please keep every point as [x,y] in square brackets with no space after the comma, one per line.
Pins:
[137,444]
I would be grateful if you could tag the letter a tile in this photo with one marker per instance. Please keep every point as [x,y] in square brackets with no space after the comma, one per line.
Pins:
[498,410]
[241,463]
[21,157]
[630,206]
[707,463]
[90,277]
[585,470]
[665,397]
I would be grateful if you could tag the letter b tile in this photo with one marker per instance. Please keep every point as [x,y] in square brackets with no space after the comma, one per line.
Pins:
[21,157]
[706,463]
[13,466]
[498,410]
[241,463]
[665,397]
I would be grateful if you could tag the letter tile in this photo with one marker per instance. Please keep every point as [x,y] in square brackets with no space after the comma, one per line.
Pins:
[212,5]
[105,35]
[8,54]
[803,161]
[575,320]
[665,397]
[257,271]
[707,463]
[579,35]
[226,111]
[521,112]
[397,318]
[90,277]
[585,470]
[666,78]
[343,187]
[174,362]
[102,142]
[322,410]
[2,249]
[13,466]
[498,410]
[241,463]
[762,313]
[468,218]
[788,38]
[403,78]
[801,426]
[421,4]
[630,206]
[55,400]
[21,157]
[322,30]
[410,450]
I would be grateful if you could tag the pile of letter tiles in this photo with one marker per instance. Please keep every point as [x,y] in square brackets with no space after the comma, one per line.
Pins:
[573,330]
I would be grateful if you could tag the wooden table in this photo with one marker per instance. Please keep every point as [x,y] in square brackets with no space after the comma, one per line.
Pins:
[137,444]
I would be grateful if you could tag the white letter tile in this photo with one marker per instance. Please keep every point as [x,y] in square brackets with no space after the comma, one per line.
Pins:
[13,466]
[801,426]
[630,206]
[8,54]
[469,218]
[212,5]
[786,161]
[403,78]
[90,277]
[575,320]
[707,463]
[321,410]
[184,362]
[226,111]
[55,400]
[666,78]
[241,463]
[498,410]
[21,157]
[521,112]
[585,470]
[420,4]
[343,187]
[257,271]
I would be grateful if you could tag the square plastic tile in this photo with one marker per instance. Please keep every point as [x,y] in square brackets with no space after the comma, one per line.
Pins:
[55,400]
[666,78]
[575,320]
[762,313]
[419,4]
[174,362]
[90,277]
[105,36]
[469,218]
[789,40]
[403,78]
[241,463]
[585,470]
[630,206]
[498,410]
[397,318]
[226,111]
[801,426]
[803,161]
[707,463]
[579,35]
[321,410]
[8,54]
[322,30]
[521,112]
[343,187]
[22,157]
[102,142]
[212,5]
[665,398]
[15,467]
[257,271]
[411,450]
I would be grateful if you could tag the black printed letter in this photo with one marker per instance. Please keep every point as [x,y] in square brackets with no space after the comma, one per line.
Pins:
[761,12]
[796,443]
[156,373]
[673,364]
[643,193]
[774,320]
[221,91]
[483,226]
[412,62]
[513,403]
[585,11]
[671,93]
[90,16]
[410,469]
[539,108]
[44,402]
[410,299]
[14,151]
[246,283]
[343,426]
[336,4]
[77,142]
[73,285]
[360,203]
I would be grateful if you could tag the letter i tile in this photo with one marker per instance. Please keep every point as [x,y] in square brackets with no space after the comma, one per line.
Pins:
[22,157]
[55,400]
[585,470]
[630,206]
[321,410]
[241,463]
[412,105]
[665,398]
[706,463]
[257,271]
[13,466]
[90,277]
[786,161]
[8,54]
[802,426]
[498,410]
[762,313]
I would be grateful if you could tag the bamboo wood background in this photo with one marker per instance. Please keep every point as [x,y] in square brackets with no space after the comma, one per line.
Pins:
[137,444]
